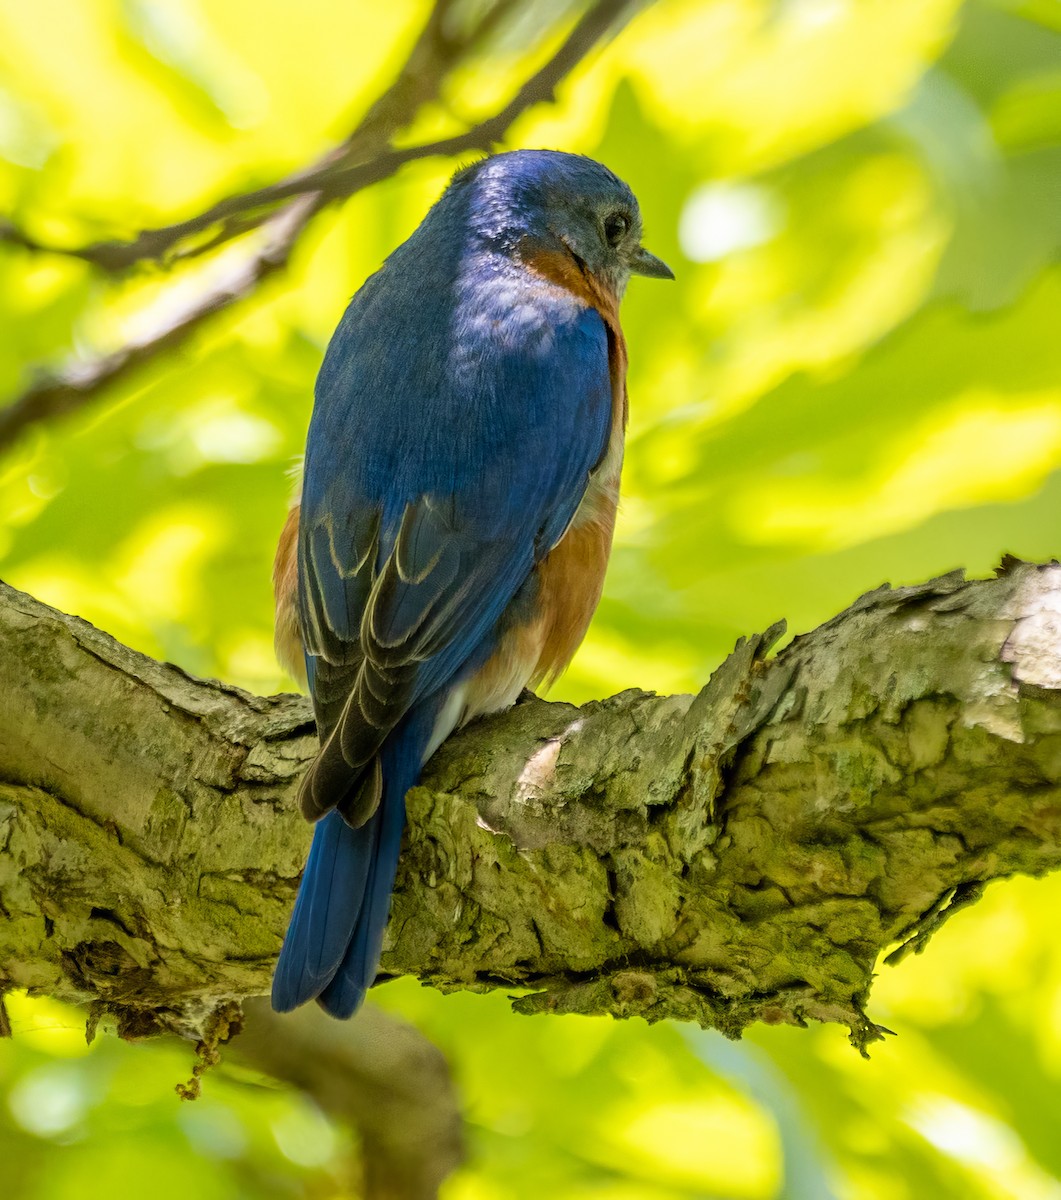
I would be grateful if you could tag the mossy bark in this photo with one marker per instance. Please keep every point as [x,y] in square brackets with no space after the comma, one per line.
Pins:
[746,854]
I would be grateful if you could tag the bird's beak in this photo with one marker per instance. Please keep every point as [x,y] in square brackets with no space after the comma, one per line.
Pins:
[643,263]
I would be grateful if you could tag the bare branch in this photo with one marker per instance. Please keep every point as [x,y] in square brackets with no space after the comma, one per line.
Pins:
[744,855]
[361,160]
[75,385]
[376,1073]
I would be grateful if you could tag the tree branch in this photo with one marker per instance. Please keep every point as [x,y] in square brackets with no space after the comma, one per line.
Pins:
[436,53]
[377,1074]
[362,160]
[174,319]
[347,168]
[743,855]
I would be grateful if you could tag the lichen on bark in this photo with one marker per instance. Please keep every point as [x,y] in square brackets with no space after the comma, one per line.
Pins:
[746,854]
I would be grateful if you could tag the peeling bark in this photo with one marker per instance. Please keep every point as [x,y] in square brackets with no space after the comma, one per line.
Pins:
[746,854]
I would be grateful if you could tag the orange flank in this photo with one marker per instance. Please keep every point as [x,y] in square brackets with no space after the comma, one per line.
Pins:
[572,577]
[505,674]
[287,639]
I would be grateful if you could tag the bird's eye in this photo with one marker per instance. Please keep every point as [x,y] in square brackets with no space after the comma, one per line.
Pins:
[615,226]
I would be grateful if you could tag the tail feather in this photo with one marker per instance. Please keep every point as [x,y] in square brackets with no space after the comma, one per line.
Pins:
[345,992]
[326,911]
[332,947]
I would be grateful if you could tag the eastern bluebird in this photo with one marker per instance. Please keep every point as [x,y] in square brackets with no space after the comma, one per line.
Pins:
[458,501]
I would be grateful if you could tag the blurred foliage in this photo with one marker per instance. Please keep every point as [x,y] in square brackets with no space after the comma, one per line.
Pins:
[856,378]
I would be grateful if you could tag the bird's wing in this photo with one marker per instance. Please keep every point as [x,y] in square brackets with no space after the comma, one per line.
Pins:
[415,539]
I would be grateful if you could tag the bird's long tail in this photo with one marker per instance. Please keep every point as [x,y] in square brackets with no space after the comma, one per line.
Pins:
[332,947]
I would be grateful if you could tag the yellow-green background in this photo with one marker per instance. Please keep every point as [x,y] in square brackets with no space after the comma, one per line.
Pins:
[855,378]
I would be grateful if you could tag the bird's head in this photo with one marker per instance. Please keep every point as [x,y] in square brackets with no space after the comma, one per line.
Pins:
[544,202]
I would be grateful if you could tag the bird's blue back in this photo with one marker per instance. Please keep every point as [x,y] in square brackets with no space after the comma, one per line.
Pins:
[462,404]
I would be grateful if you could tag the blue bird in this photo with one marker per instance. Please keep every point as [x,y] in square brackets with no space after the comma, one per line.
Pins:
[458,500]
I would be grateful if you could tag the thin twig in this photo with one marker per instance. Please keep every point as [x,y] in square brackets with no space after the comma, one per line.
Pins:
[362,158]
[73,386]
[418,82]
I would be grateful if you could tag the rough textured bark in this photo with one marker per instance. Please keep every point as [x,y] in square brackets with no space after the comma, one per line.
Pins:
[743,855]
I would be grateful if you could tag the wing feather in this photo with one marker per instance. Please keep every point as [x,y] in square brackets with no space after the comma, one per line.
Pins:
[414,542]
